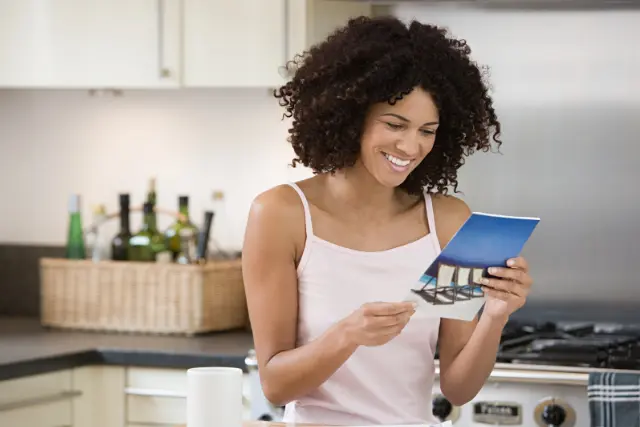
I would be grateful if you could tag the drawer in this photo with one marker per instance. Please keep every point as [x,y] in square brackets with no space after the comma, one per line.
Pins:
[35,386]
[166,382]
[174,380]
[156,410]
[47,414]
[43,400]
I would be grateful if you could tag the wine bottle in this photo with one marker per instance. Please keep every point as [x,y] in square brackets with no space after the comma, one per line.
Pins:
[147,243]
[203,238]
[120,242]
[151,192]
[75,247]
[172,234]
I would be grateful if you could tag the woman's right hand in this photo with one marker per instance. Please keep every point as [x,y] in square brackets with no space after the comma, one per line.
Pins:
[377,323]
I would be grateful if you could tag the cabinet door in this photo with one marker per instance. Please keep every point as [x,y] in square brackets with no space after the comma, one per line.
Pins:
[89,43]
[239,43]
[311,21]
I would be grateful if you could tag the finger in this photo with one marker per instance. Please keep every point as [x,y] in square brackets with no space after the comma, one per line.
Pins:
[508,286]
[508,273]
[500,285]
[388,308]
[519,263]
[376,322]
[504,296]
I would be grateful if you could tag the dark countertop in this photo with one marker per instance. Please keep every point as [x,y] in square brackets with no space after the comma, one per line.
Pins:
[27,348]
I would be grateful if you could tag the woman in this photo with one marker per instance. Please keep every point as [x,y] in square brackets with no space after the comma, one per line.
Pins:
[384,114]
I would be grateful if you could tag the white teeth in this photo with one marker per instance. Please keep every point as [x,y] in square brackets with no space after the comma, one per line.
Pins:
[397,161]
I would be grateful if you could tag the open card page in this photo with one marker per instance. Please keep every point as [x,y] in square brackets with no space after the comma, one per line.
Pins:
[450,286]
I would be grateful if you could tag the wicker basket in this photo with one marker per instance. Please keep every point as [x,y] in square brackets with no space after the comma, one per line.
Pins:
[142,297]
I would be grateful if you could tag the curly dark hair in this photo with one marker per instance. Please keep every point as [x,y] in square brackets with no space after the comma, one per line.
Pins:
[380,59]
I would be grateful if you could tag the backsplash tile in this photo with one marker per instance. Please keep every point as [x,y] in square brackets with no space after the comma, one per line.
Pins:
[20,277]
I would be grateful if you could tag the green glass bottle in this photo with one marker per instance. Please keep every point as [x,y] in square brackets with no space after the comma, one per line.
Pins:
[173,232]
[152,197]
[120,242]
[75,247]
[147,243]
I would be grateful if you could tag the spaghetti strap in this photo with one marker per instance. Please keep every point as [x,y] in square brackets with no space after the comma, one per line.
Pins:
[305,205]
[431,219]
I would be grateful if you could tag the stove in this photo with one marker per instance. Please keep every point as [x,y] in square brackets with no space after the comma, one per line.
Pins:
[541,374]
[540,377]
[608,346]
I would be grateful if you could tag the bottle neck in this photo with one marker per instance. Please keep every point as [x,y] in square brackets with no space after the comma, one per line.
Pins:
[184,211]
[124,219]
[149,222]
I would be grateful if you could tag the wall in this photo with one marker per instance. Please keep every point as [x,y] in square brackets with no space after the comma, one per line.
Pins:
[568,95]
[55,143]
[565,90]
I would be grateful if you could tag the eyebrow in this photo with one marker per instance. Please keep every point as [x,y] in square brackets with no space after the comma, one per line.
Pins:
[404,119]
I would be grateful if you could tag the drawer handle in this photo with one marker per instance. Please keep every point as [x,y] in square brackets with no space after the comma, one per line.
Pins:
[154,392]
[151,392]
[40,400]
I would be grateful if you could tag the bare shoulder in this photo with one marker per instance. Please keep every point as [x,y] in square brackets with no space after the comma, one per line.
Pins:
[277,212]
[278,202]
[450,213]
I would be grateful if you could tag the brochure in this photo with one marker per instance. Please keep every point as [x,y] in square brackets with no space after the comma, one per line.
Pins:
[449,287]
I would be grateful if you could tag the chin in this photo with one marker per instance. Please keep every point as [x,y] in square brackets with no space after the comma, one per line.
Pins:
[390,181]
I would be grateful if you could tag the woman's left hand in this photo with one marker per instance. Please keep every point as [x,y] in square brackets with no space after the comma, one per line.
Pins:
[507,291]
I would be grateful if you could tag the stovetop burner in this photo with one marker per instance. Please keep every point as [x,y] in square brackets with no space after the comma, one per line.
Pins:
[585,344]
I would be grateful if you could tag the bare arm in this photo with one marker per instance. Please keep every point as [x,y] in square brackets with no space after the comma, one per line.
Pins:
[274,226]
[467,350]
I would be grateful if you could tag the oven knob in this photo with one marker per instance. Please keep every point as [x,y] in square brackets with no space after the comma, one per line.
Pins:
[554,415]
[265,417]
[442,407]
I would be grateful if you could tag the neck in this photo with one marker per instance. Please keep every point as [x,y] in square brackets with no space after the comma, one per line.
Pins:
[357,188]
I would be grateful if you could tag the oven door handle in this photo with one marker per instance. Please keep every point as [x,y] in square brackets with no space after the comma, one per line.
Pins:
[537,376]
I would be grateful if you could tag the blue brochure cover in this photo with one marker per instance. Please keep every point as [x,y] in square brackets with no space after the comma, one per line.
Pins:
[449,287]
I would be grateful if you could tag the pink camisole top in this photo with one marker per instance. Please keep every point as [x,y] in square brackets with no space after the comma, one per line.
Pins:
[388,384]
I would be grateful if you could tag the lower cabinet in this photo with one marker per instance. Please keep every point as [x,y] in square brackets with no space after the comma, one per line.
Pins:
[158,396]
[38,401]
[99,396]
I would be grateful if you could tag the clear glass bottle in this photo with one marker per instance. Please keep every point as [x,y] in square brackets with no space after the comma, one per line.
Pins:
[173,233]
[97,245]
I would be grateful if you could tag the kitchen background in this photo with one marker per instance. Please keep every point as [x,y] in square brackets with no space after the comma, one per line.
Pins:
[100,96]
[566,89]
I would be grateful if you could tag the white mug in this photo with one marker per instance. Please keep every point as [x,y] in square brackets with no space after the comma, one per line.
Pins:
[214,397]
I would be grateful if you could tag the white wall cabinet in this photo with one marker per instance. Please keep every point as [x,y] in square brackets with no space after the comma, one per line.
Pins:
[151,44]
[311,21]
[90,44]
[234,43]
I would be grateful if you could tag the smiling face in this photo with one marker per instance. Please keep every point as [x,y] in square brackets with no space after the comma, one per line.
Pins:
[397,138]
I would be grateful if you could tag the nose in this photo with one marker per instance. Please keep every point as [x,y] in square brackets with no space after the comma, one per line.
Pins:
[409,145]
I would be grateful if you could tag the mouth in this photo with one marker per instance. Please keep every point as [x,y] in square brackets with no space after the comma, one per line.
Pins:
[397,164]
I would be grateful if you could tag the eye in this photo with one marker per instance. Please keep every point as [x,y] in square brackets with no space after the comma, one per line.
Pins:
[394,126]
[428,132]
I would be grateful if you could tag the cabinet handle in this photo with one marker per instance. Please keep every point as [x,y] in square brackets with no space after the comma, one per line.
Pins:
[164,73]
[151,392]
[155,392]
[40,400]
